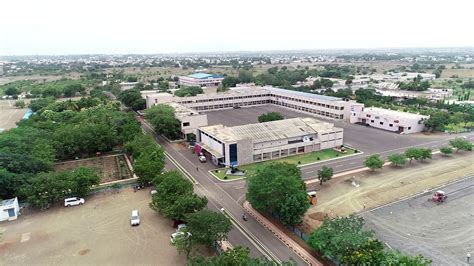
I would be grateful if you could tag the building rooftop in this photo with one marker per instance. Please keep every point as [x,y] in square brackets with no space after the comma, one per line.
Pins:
[270,131]
[393,113]
[7,202]
[181,111]
[204,76]
[303,94]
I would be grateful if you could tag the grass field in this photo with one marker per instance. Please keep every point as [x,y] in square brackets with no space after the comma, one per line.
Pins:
[307,158]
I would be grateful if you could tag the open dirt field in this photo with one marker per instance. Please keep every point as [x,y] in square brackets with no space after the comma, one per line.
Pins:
[443,232]
[338,197]
[96,233]
[107,167]
[9,114]
[461,73]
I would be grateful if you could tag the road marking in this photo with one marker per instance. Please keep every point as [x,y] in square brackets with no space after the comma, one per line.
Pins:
[353,163]
[337,166]
[25,237]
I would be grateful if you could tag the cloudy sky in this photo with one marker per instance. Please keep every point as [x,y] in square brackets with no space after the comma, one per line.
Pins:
[165,26]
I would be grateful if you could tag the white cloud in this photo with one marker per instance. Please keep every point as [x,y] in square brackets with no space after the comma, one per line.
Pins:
[140,26]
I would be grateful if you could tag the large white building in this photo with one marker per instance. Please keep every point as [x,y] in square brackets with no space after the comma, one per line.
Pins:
[395,121]
[238,145]
[308,103]
[201,80]
[189,119]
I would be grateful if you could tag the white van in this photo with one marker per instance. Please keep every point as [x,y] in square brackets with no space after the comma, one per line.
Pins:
[135,218]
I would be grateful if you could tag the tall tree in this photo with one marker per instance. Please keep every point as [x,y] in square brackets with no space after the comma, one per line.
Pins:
[163,120]
[208,227]
[325,174]
[373,162]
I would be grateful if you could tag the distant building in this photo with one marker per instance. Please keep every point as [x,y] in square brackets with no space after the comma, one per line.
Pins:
[395,121]
[246,144]
[9,209]
[201,80]
[127,85]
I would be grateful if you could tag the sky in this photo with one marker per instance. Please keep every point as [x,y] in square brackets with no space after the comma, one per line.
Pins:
[58,27]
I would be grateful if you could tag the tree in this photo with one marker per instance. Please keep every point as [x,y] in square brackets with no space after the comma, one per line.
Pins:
[397,159]
[236,256]
[188,91]
[184,243]
[395,257]
[245,76]
[46,188]
[20,104]
[130,97]
[446,150]
[175,198]
[425,153]
[12,91]
[83,179]
[230,82]
[373,162]
[270,116]
[413,153]
[437,121]
[149,164]
[36,105]
[293,208]
[208,227]
[325,174]
[341,237]
[10,184]
[461,144]
[273,189]
[162,118]
[268,187]
[185,205]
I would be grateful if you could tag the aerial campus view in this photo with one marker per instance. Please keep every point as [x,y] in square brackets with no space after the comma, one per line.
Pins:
[236,133]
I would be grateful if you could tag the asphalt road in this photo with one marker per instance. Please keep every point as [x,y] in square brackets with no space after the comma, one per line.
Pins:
[219,198]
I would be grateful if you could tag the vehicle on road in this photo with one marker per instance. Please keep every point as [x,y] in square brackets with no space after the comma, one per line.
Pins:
[73,201]
[202,158]
[135,218]
[439,196]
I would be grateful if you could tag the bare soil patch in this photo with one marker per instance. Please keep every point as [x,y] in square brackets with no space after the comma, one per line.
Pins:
[109,167]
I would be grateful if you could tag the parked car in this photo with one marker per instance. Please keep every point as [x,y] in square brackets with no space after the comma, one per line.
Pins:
[135,218]
[202,159]
[73,201]
[174,236]
[153,192]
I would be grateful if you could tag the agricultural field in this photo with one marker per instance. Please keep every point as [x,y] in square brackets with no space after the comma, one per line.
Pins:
[109,167]
[9,114]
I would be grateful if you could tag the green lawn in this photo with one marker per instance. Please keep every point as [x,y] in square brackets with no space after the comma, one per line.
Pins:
[317,156]
[220,173]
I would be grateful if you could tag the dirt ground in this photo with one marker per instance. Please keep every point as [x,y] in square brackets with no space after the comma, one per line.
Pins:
[96,233]
[339,197]
[9,114]
[443,232]
[107,167]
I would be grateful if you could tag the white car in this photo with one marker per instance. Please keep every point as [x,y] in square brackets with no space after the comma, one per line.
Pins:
[176,235]
[135,218]
[73,201]
[202,159]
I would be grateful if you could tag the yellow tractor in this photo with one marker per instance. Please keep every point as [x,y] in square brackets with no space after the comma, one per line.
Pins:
[312,197]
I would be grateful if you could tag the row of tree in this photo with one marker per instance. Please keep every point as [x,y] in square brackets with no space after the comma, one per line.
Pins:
[375,162]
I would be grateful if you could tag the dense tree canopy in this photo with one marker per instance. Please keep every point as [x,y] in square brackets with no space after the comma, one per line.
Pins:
[133,99]
[188,91]
[279,188]
[162,118]
[208,227]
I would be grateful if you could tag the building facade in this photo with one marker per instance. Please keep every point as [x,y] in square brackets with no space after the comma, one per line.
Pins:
[201,80]
[233,146]
[394,121]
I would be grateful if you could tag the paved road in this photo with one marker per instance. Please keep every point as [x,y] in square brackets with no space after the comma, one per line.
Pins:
[219,198]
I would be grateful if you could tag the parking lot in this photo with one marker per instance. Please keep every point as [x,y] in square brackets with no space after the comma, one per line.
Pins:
[367,139]
[96,233]
[443,232]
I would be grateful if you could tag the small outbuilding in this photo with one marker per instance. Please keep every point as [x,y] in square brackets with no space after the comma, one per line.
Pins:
[9,209]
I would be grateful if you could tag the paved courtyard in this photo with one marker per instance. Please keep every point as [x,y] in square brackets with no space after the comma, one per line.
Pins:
[96,233]
[443,232]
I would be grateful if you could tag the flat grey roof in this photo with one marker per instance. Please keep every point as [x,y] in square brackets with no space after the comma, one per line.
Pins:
[271,131]
[303,94]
